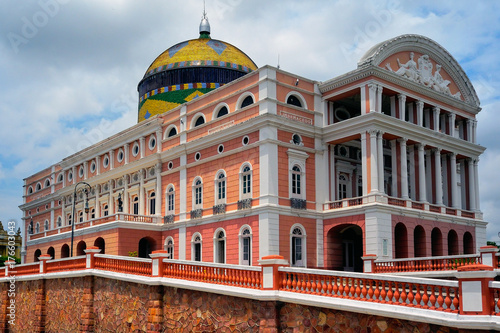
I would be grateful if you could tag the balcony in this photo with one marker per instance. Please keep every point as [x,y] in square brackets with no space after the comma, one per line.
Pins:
[403,203]
[101,220]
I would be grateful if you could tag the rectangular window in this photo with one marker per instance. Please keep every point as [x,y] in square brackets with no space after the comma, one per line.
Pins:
[246,251]
[171,202]
[152,206]
[198,196]
[197,252]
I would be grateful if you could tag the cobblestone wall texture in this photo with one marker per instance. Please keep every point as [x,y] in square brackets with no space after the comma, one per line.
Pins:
[64,304]
[25,307]
[299,318]
[120,306]
[193,311]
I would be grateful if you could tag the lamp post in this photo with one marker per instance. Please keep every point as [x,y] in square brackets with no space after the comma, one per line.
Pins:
[86,206]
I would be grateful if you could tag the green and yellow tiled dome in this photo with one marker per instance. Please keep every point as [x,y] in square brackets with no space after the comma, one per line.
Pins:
[190,69]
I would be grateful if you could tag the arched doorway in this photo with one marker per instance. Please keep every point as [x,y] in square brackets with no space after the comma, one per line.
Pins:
[80,248]
[100,243]
[37,254]
[65,251]
[51,252]
[436,242]
[400,241]
[452,243]
[419,242]
[345,248]
[146,246]
[468,243]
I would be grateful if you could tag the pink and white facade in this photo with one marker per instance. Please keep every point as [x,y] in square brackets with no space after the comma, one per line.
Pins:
[381,160]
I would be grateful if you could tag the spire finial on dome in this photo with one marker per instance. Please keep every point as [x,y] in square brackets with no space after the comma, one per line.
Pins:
[204,25]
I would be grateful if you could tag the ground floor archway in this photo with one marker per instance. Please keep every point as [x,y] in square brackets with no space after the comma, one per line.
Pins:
[345,248]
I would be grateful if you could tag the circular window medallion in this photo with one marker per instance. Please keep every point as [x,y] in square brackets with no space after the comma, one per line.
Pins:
[170,165]
[135,149]
[120,155]
[245,140]
[220,149]
[197,156]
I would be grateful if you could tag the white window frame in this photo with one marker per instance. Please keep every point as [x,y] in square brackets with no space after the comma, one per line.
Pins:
[37,228]
[195,204]
[152,139]
[218,108]
[303,237]
[152,202]
[170,248]
[134,202]
[299,96]
[195,118]
[220,181]
[241,237]
[170,209]
[242,98]
[217,243]
[46,225]
[242,175]
[297,158]
[59,222]
[136,144]
[194,241]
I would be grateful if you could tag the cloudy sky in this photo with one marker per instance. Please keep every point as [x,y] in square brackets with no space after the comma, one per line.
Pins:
[69,69]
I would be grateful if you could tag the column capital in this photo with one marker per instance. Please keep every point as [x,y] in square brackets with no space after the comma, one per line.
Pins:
[401,140]
[373,132]
[436,108]
[372,86]
[437,151]
[379,88]
[421,145]
[402,97]
[419,103]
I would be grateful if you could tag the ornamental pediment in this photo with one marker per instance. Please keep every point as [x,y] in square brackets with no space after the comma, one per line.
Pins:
[420,68]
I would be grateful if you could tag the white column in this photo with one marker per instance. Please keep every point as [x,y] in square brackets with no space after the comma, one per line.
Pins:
[85,168]
[126,152]
[111,209]
[393,106]
[379,98]
[463,188]
[373,162]
[73,171]
[444,179]
[141,193]
[394,166]
[98,165]
[420,113]
[97,204]
[404,168]
[452,124]
[438,178]
[428,174]
[111,159]
[380,162]
[142,141]
[412,177]
[268,155]
[402,106]
[421,173]
[159,193]
[474,131]
[363,100]
[159,138]
[364,161]
[372,95]
[476,183]
[472,185]
[453,179]
[125,196]
[436,111]
[333,179]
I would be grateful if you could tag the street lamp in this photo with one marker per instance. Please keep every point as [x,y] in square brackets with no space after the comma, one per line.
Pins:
[86,207]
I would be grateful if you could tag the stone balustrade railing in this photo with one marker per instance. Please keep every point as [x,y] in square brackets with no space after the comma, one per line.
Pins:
[481,296]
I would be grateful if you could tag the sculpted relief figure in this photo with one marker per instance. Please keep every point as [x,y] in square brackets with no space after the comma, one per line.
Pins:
[408,70]
[423,74]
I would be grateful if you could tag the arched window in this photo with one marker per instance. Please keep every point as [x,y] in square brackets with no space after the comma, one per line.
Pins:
[294,100]
[46,225]
[80,216]
[60,178]
[92,213]
[47,183]
[199,121]
[245,246]
[37,228]
[38,186]
[37,254]
[51,252]
[196,247]
[220,188]
[220,246]
[152,203]
[298,246]
[69,218]
[245,181]
[80,248]
[247,101]
[169,247]
[172,132]
[222,112]
[59,222]
[197,193]
[296,181]
[30,190]
[170,200]
[135,205]
[105,210]
[65,251]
